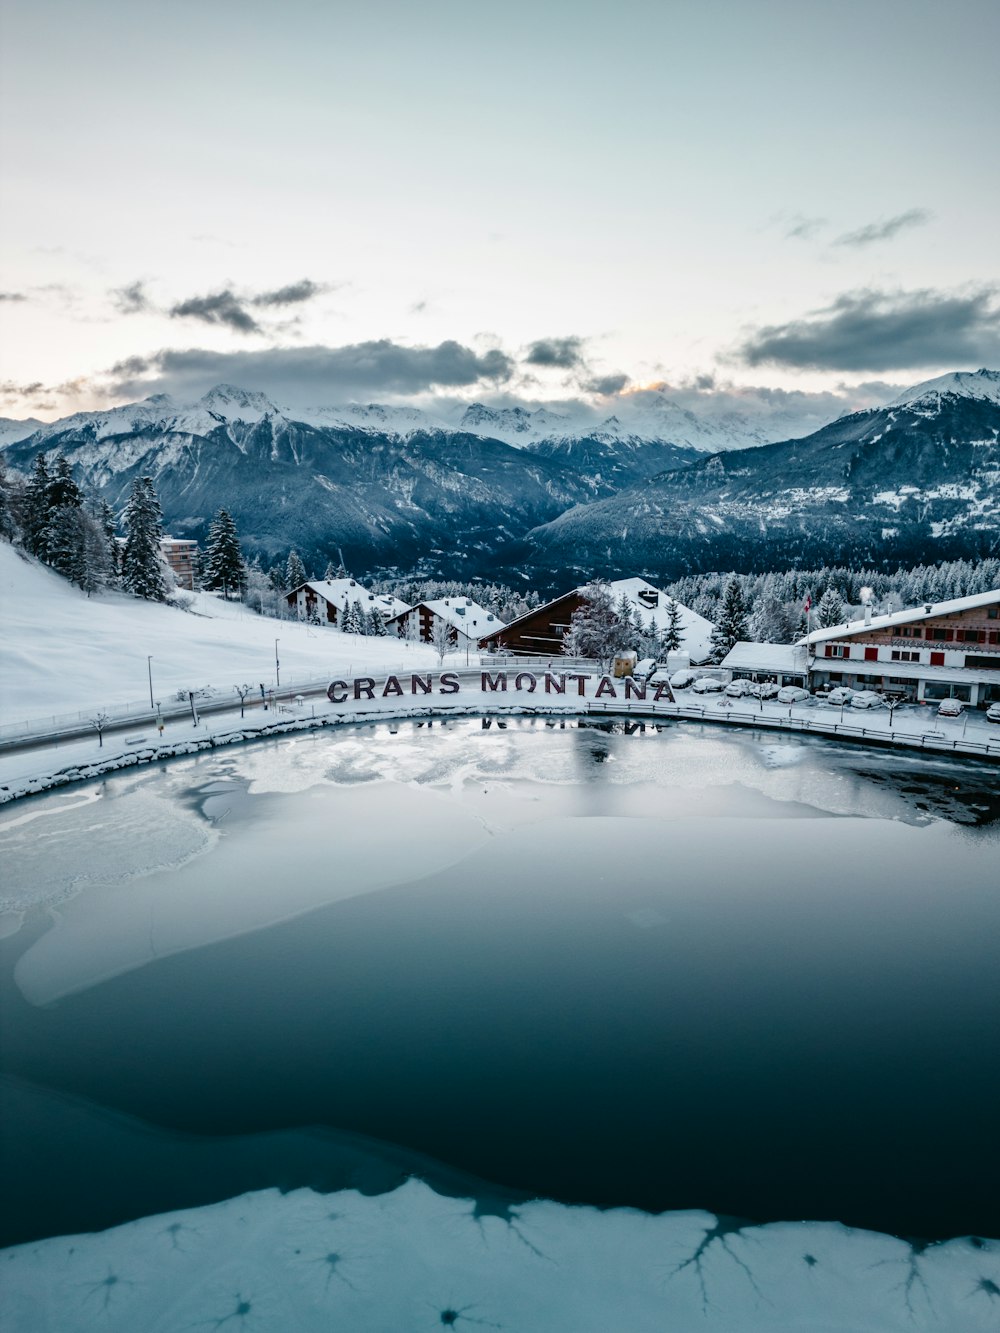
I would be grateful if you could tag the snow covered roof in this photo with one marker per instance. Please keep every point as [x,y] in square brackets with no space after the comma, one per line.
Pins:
[781,658]
[389,605]
[907,617]
[652,604]
[337,591]
[463,614]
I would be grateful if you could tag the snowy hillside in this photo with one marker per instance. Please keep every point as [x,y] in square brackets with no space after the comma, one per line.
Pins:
[62,651]
[984,384]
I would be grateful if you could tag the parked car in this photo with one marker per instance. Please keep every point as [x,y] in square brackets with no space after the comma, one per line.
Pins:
[708,685]
[950,708]
[838,696]
[993,713]
[866,699]
[680,680]
[765,690]
[738,689]
[792,694]
[644,669]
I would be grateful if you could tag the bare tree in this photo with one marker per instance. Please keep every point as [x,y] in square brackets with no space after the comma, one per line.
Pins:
[99,721]
[242,691]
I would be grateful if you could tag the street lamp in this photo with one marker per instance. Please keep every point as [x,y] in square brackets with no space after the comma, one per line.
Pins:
[277,664]
[149,669]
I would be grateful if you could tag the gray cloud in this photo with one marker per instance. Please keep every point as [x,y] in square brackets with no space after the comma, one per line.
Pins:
[293,294]
[884,231]
[12,296]
[885,331]
[132,299]
[562,353]
[308,375]
[804,229]
[606,384]
[223,307]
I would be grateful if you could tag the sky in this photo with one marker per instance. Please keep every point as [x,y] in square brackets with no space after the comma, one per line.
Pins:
[559,201]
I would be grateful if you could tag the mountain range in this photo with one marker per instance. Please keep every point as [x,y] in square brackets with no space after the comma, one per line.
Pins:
[527,494]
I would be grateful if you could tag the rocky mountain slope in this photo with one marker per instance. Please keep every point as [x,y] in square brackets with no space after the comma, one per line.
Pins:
[918,479]
[385,488]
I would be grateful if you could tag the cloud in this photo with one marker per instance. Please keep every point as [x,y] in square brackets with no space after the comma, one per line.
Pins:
[311,375]
[562,353]
[223,307]
[873,331]
[293,294]
[884,231]
[606,384]
[12,296]
[131,300]
[804,229]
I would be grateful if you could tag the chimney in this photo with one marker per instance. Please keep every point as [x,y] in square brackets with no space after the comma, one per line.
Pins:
[868,613]
[928,605]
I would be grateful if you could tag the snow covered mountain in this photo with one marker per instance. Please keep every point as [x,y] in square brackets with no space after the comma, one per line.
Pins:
[916,480]
[385,486]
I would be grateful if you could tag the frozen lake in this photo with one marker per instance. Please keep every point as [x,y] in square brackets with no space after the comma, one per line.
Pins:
[677,969]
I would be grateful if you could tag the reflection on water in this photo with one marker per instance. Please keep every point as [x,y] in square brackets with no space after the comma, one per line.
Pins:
[674,968]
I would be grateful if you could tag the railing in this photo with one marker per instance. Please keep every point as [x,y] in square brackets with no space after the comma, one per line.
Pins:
[924,740]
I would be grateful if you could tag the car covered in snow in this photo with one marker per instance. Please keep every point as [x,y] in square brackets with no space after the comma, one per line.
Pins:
[644,669]
[680,680]
[708,685]
[866,699]
[739,689]
[993,713]
[838,696]
[950,708]
[765,689]
[792,694]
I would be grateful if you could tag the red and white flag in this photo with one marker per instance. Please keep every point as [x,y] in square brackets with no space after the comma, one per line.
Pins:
[807,604]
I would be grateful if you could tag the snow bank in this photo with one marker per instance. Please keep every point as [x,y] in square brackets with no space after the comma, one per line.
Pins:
[62,651]
[412,1259]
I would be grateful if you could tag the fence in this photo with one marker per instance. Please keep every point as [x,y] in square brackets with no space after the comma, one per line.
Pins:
[922,740]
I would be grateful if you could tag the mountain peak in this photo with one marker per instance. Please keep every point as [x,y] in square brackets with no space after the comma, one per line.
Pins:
[235,404]
[983,384]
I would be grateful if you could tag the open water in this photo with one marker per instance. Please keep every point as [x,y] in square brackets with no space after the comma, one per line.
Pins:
[672,969]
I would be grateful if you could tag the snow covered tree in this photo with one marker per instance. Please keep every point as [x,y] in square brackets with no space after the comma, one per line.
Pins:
[142,559]
[63,492]
[733,624]
[831,609]
[376,624]
[105,517]
[595,629]
[8,521]
[443,638]
[672,635]
[625,611]
[225,567]
[35,510]
[295,572]
[352,619]
[772,620]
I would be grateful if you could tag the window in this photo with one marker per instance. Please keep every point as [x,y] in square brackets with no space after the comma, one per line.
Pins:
[993,613]
[940,634]
[981,663]
[871,654]
[910,632]
[937,659]
[973,635]
[837,650]
[902,655]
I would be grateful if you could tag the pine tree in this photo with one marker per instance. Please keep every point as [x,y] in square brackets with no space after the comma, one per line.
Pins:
[595,629]
[352,620]
[732,626]
[35,511]
[672,636]
[142,560]
[8,523]
[225,567]
[295,572]
[376,624]
[63,492]
[106,519]
[831,609]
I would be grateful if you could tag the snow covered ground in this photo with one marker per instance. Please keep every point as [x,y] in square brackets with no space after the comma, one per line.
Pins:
[412,1260]
[62,651]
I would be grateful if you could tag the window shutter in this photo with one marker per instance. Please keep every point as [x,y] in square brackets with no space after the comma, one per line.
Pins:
[937,659]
